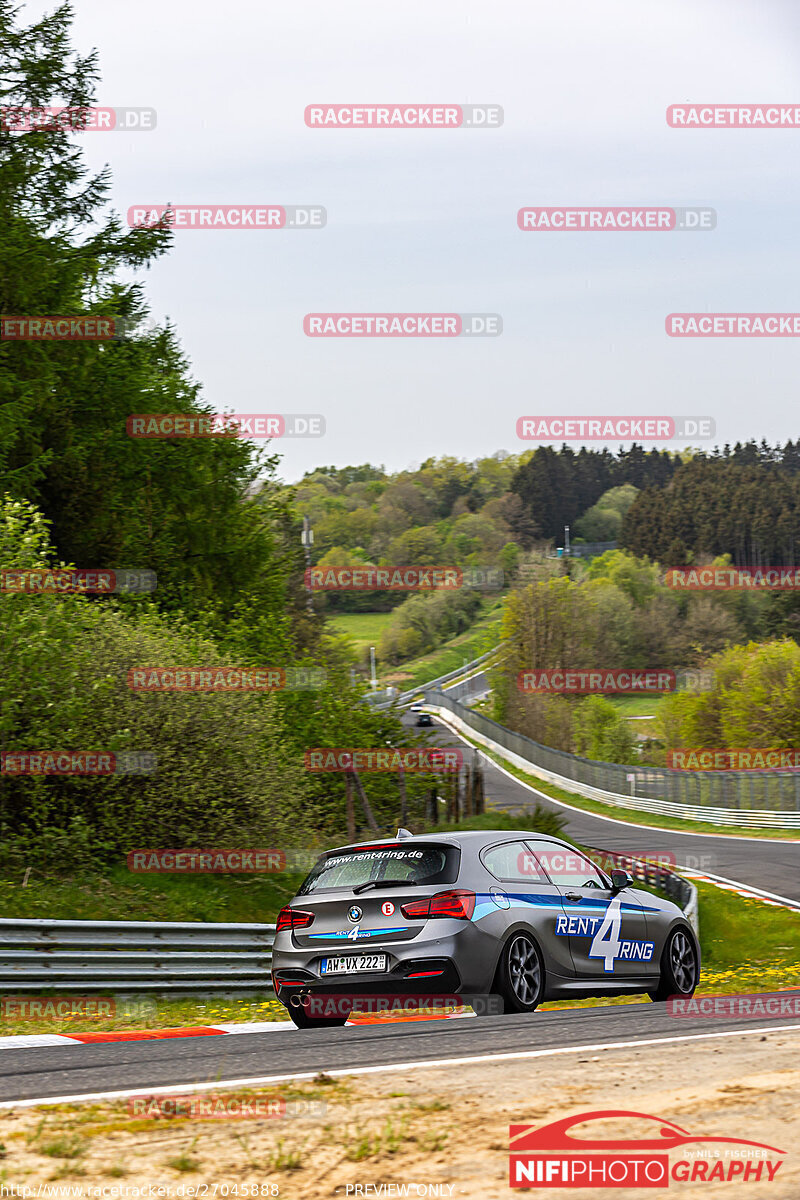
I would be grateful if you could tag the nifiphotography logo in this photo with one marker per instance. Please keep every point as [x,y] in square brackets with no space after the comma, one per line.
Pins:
[554,1156]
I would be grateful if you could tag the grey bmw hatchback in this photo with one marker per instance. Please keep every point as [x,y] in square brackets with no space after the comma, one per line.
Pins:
[517,915]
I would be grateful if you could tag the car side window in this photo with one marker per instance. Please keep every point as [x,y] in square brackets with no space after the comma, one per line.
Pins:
[567,867]
[514,861]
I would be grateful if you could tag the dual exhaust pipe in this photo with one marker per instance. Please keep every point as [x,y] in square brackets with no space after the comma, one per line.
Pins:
[300,1000]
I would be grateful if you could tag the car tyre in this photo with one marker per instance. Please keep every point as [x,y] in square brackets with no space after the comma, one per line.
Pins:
[679,967]
[520,974]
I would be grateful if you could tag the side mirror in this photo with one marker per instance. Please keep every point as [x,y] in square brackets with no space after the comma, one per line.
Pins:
[620,880]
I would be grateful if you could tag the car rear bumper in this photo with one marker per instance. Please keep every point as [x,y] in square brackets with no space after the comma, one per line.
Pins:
[452,956]
[409,977]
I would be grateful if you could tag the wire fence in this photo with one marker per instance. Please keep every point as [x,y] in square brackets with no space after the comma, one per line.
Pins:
[755,798]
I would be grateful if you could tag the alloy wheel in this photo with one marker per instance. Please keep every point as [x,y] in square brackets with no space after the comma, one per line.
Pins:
[524,972]
[683,962]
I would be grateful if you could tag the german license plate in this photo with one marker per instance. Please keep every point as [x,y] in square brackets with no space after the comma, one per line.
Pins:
[353,964]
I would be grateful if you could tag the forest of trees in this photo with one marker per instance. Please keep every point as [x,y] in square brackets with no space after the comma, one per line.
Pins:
[75,489]
[556,487]
[744,502]
[482,513]
[617,612]
[672,507]
[211,518]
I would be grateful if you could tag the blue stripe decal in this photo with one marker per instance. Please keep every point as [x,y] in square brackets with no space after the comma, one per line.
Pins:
[486,904]
[489,906]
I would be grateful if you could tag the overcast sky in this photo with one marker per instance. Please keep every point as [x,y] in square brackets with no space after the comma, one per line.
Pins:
[425,221]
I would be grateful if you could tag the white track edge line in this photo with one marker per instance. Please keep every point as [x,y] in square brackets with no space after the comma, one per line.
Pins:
[25,1041]
[255,1081]
[746,887]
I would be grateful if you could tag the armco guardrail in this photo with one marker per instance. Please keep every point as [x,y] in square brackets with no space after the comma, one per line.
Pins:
[405,697]
[471,688]
[151,956]
[134,956]
[760,799]
[591,549]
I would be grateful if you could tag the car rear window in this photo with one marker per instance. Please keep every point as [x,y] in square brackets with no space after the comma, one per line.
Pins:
[428,863]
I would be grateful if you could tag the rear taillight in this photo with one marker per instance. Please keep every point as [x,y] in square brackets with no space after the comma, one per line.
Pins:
[417,908]
[293,918]
[459,905]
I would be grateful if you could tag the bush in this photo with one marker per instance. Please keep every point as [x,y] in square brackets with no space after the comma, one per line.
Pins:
[223,773]
[601,733]
[422,623]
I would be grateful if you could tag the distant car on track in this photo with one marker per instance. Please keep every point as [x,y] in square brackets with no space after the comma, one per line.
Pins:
[515,914]
[424,719]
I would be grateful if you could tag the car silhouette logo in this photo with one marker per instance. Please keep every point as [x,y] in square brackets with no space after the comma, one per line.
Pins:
[355,913]
[556,1136]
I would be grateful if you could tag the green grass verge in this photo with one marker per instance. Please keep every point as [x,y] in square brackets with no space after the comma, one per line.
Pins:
[536,819]
[636,706]
[118,895]
[158,1012]
[475,641]
[363,629]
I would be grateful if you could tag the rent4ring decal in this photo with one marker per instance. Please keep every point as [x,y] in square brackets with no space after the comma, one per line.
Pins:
[605,934]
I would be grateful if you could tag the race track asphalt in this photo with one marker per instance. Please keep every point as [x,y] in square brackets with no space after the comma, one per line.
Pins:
[86,1070]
